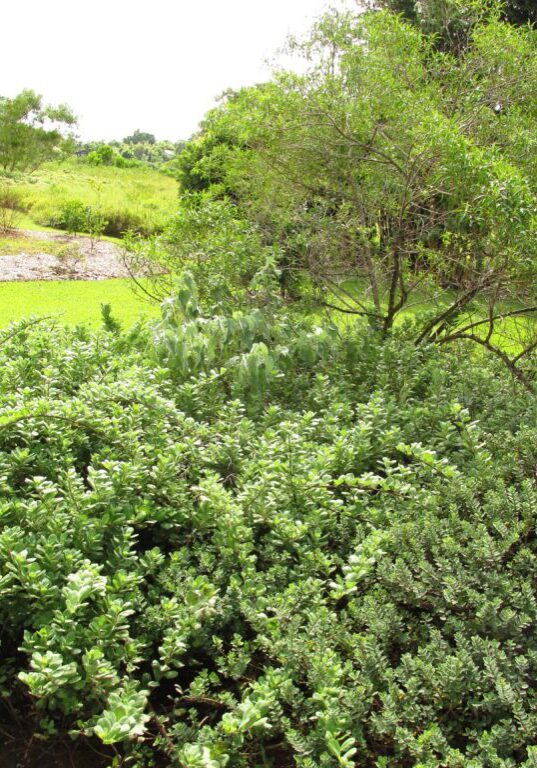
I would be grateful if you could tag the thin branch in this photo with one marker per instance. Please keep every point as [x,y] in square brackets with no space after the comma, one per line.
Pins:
[504,357]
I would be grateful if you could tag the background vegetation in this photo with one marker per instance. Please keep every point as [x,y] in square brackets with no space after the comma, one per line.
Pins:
[132,199]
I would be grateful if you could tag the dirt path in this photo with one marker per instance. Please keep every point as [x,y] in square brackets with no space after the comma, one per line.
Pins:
[74,258]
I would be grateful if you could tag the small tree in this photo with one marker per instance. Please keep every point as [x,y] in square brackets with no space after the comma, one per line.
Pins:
[31,132]
[386,176]
[95,225]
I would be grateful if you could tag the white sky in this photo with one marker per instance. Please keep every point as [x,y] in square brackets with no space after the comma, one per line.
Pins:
[155,65]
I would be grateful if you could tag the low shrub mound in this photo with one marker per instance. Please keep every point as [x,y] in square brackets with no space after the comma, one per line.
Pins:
[242,540]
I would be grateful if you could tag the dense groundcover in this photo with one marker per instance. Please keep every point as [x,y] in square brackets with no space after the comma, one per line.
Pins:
[315,553]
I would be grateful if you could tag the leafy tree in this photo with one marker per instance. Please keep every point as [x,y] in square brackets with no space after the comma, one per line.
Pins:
[105,154]
[387,165]
[140,137]
[31,132]
[204,161]
[452,21]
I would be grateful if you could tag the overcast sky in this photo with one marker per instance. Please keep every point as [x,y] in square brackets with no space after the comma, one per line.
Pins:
[156,65]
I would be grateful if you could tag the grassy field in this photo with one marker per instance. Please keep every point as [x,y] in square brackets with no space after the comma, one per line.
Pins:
[128,197]
[73,301]
[78,301]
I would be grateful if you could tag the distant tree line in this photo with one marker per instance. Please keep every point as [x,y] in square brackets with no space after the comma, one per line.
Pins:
[32,132]
[140,148]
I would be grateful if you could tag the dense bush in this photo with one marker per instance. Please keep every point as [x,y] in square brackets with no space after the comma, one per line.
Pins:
[206,236]
[70,215]
[243,540]
[103,155]
[125,219]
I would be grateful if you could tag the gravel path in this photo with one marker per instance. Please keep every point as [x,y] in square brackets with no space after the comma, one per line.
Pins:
[78,261]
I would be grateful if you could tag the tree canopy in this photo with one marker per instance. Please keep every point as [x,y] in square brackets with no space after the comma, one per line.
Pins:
[30,131]
[390,169]
[140,137]
[451,21]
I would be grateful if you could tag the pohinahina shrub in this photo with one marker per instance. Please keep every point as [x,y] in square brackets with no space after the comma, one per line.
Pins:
[246,541]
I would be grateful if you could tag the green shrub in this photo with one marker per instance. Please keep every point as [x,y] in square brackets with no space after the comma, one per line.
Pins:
[11,207]
[266,543]
[71,216]
[103,155]
[122,220]
[125,162]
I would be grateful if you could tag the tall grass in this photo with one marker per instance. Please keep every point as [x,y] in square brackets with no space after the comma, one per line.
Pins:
[138,199]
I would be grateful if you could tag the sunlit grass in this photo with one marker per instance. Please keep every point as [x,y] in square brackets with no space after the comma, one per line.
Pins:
[73,301]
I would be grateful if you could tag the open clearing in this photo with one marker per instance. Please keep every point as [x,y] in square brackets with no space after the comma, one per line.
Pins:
[44,271]
[31,255]
[72,301]
[68,277]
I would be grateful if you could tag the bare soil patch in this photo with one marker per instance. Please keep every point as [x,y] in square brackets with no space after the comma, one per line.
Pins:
[77,259]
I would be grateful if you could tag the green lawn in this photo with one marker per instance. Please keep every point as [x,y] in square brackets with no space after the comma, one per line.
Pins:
[73,301]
